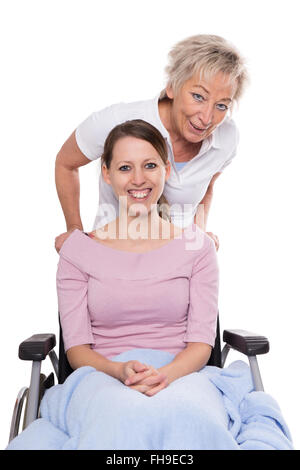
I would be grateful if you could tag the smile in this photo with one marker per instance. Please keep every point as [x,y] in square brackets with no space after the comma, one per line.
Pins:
[198,129]
[139,193]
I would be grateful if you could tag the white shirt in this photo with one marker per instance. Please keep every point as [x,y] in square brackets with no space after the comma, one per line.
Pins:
[186,187]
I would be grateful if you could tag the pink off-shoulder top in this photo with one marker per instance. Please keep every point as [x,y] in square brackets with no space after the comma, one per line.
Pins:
[117,300]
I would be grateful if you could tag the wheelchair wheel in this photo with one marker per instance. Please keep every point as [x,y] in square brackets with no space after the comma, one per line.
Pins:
[16,417]
[19,408]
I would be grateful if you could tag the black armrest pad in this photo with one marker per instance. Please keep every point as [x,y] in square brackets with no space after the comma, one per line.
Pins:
[37,347]
[246,342]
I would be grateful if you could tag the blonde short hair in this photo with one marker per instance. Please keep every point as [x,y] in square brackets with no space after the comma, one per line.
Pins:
[207,55]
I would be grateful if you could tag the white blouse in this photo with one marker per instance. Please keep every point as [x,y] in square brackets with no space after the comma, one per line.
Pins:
[186,186]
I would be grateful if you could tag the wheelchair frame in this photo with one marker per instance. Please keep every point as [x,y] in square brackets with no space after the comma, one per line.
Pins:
[39,346]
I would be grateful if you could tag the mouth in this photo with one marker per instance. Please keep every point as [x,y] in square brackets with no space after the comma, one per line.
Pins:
[199,130]
[139,194]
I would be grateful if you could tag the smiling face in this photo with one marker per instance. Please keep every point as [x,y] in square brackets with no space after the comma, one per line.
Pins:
[200,106]
[136,172]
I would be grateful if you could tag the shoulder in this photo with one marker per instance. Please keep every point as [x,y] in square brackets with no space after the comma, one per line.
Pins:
[228,133]
[205,259]
[196,252]
[92,132]
[70,242]
[229,125]
[197,241]
[77,250]
[123,111]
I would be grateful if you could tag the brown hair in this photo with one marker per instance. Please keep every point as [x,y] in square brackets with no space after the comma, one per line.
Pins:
[141,130]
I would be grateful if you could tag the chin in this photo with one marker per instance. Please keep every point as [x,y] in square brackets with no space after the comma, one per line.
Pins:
[195,139]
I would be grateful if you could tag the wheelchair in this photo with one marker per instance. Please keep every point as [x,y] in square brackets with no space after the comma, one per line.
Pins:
[39,346]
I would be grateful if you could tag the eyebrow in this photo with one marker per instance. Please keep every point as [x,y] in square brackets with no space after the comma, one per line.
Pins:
[222,99]
[146,160]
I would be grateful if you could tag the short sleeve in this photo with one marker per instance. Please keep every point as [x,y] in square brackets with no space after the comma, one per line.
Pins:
[72,286]
[91,133]
[203,306]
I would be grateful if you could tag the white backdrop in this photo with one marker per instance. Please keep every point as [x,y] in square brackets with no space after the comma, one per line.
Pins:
[63,59]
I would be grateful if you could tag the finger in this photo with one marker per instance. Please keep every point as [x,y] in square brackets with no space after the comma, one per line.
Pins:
[133,369]
[138,376]
[217,243]
[140,388]
[139,367]
[153,380]
[157,389]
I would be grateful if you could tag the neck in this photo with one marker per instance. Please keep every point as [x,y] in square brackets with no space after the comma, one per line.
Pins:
[139,226]
[165,114]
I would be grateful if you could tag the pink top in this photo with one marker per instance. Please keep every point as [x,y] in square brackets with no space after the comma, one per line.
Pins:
[117,300]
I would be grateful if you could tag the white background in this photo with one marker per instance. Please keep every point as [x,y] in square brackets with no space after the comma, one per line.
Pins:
[63,59]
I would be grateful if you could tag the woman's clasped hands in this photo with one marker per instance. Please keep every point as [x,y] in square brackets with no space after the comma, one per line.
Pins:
[143,378]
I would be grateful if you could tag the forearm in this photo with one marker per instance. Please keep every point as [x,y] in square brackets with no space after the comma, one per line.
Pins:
[201,215]
[83,355]
[68,190]
[193,358]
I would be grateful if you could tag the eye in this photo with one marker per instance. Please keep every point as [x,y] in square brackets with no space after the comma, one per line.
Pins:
[124,168]
[197,97]
[222,107]
[152,165]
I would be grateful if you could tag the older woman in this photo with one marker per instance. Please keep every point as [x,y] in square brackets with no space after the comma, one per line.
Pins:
[205,76]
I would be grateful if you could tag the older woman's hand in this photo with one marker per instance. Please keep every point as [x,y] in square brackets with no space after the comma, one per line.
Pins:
[60,239]
[214,238]
[148,382]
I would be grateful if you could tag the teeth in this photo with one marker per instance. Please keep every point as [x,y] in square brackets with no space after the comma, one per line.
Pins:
[199,128]
[139,194]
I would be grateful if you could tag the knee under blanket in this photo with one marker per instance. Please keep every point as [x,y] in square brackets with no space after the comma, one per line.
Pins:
[211,409]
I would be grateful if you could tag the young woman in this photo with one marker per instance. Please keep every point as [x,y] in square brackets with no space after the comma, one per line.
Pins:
[139,282]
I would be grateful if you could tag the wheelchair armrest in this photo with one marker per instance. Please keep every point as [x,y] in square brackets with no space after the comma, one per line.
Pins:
[37,347]
[246,342]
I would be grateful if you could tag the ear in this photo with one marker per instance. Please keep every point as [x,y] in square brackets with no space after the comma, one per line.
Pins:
[168,170]
[170,91]
[105,174]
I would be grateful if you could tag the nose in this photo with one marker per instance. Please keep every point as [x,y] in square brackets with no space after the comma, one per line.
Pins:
[138,177]
[206,114]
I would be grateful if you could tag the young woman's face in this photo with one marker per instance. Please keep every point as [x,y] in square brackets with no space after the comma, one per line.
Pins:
[200,106]
[137,172]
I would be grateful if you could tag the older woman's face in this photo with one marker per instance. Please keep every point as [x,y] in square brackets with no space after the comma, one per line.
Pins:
[200,106]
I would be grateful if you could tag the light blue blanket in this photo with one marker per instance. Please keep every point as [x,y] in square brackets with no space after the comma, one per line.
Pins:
[211,409]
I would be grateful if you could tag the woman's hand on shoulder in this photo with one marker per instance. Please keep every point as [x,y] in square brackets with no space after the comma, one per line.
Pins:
[214,238]
[60,239]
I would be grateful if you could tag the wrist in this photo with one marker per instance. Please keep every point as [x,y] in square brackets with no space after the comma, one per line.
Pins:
[170,371]
[73,227]
[116,370]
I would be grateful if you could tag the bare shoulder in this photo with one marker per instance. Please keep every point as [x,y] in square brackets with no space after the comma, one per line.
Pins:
[106,235]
